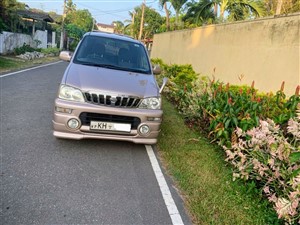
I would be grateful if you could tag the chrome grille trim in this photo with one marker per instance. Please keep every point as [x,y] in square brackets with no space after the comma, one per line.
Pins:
[111,100]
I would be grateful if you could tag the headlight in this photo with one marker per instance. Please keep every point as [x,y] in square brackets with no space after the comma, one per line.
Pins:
[70,93]
[150,103]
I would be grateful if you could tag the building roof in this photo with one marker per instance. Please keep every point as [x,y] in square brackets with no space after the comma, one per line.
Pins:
[105,25]
[35,15]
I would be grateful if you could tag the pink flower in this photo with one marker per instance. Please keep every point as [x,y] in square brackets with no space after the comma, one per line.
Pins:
[273,198]
[282,207]
[271,162]
[294,128]
[267,189]
[239,132]
[230,155]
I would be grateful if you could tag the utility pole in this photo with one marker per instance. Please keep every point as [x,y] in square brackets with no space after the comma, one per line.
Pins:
[142,20]
[62,34]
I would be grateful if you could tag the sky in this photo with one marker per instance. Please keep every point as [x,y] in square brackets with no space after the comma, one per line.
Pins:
[104,11]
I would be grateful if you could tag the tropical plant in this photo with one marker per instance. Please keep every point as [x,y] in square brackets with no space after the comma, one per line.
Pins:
[236,9]
[119,27]
[198,14]
[266,155]
[24,48]
[9,18]
[70,7]
[177,5]
[152,22]
[74,31]
[260,133]
[277,7]
[163,4]
[81,18]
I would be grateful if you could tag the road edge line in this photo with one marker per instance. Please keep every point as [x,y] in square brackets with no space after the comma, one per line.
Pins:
[32,68]
[164,188]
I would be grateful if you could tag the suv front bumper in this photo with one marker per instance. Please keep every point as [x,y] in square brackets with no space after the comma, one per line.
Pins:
[151,118]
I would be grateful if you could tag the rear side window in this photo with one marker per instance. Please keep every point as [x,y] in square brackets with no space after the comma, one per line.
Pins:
[121,54]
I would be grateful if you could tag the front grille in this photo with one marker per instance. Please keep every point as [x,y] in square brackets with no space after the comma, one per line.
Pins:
[109,100]
[86,119]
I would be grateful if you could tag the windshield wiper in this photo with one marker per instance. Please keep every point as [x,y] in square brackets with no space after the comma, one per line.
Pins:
[102,65]
[91,64]
[136,70]
[109,66]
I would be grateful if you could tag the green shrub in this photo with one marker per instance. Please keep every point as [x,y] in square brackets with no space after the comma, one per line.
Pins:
[222,109]
[182,75]
[47,51]
[24,48]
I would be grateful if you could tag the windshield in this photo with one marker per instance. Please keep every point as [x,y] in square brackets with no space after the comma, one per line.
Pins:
[113,53]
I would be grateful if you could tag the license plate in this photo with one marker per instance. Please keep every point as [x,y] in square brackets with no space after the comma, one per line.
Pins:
[97,125]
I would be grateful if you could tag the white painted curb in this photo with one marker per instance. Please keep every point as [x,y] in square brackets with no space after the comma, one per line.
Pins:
[164,188]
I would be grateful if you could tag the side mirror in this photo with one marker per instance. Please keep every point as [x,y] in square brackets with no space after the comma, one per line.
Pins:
[165,81]
[65,55]
[156,69]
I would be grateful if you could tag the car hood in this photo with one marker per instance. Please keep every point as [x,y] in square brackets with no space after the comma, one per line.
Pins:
[118,82]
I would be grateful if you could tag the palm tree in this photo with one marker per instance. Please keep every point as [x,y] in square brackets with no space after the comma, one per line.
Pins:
[241,9]
[132,23]
[198,14]
[163,3]
[119,27]
[177,5]
[237,9]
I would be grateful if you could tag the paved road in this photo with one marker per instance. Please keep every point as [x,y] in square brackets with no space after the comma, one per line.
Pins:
[50,181]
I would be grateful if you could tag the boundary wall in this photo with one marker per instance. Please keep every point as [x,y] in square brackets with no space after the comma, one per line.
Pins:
[265,51]
[9,41]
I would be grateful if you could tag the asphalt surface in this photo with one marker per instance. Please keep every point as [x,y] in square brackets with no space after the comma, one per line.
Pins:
[45,180]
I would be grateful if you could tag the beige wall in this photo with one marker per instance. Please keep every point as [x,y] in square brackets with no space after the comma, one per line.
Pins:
[266,51]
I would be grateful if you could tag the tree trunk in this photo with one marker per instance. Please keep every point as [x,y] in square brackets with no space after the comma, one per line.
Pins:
[132,24]
[142,22]
[177,18]
[216,10]
[222,15]
[278,8]
[167,17]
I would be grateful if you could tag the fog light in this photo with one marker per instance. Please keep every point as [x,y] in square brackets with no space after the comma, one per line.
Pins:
[73,123]
[63,110]
[153,118]
[144,129]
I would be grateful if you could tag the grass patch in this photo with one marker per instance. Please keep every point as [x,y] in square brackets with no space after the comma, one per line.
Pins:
[204,178]
[9,63]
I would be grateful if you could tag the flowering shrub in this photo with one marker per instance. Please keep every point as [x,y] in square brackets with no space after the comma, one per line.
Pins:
[266,155]
[259,132]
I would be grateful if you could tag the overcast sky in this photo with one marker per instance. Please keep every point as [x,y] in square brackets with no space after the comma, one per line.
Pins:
[104,11]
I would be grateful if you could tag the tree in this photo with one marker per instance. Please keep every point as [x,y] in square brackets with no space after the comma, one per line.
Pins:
[152,22]
[277,7]
[177,5]
[81,18]
[130,27]
[198,14]
[119,27]
[163,3]
[70,6]
[74,32]
[9,18]
[237,9]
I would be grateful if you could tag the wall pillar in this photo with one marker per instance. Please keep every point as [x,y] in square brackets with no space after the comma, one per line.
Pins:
[53,39]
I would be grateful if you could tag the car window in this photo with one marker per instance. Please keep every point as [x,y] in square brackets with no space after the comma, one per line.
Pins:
[113,53]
